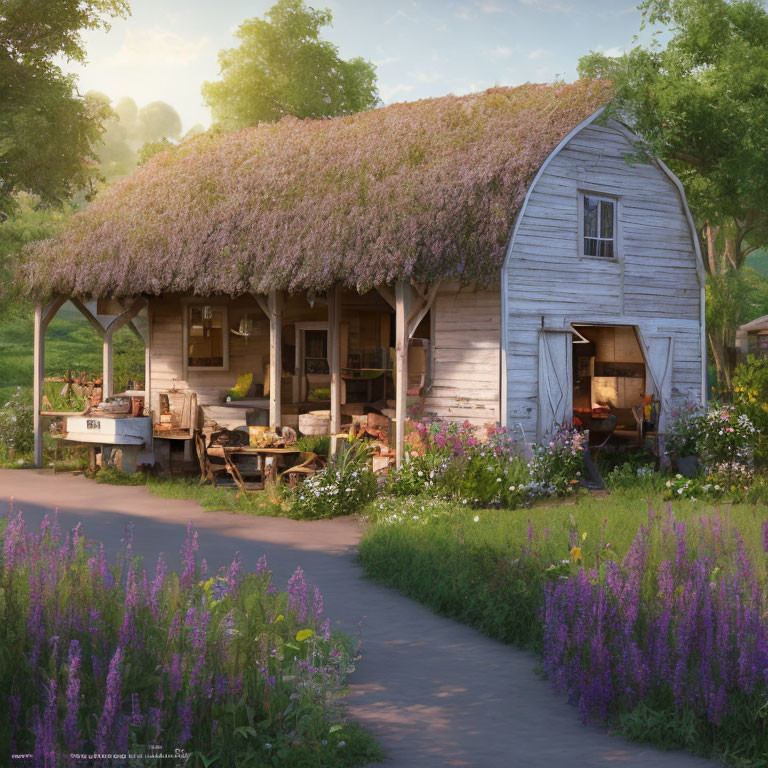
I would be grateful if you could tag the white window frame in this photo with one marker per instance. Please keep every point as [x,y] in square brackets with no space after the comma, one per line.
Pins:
[608,198]
[185,335]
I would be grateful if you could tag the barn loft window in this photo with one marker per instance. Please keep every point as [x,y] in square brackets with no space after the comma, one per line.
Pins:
[598,226]
[206,336]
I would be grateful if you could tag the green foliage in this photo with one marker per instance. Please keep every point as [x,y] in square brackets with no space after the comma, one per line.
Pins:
[16,425]
[47,130]
[132,135]
[31,220]
[151,148]
[319,444]
[634,476]
[343,487]
[750,396]
[283,67]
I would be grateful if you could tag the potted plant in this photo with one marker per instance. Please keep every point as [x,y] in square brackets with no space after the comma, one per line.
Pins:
[683,438]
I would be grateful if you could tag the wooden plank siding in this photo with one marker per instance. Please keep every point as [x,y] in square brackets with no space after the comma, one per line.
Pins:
[467,331]
[653,285]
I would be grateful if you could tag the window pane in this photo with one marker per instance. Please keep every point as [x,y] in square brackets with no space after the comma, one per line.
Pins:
[316,343]
[590,246]
[606,219]
[206,336]
[606,249]
[590,217]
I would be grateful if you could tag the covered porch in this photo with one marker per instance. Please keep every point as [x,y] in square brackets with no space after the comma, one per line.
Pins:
[267,359]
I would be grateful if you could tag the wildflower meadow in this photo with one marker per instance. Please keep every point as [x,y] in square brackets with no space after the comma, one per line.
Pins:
[102,659]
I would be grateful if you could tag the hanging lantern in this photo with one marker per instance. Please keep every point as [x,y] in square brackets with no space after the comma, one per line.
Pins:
[246,327]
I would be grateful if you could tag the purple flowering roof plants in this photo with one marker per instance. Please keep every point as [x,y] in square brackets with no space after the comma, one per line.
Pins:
[428,189]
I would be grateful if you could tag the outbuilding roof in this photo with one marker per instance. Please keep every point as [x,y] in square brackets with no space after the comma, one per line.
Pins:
[427,189]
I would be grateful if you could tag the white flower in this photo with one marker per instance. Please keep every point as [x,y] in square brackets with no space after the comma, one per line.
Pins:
[476,518]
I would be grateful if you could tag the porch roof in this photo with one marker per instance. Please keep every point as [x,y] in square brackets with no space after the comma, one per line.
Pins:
[427,189]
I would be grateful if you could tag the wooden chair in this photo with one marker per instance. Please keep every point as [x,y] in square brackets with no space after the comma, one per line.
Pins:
[293,475]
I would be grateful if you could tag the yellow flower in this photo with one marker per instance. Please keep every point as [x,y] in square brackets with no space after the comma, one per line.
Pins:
[576,553]
[584,536]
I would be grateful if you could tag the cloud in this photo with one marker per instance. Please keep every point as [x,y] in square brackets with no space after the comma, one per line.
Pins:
[156,47]
[389,92]
[613,52]
[384,60]
[538,53]
[427,77]
[550,6]
[501,52]
[472,87]
[400,14]
[488,6]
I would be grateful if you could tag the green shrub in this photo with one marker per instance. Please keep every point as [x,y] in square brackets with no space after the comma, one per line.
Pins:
[319,444]
[16,425]
[343,487]
[750,396]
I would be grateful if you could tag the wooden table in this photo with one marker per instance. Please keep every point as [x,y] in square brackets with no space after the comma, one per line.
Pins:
[268,470]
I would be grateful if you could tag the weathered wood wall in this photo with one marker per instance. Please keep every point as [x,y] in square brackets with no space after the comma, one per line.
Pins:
[653,285]
[467,330]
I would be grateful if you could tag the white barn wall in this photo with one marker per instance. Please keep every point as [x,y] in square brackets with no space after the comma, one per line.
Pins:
[654,285]
[466,342]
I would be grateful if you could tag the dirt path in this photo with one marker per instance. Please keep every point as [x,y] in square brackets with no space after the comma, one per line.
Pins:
[434,692]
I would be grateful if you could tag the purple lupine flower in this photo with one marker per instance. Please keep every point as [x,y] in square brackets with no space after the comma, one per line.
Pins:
[45,743]
[175,675]
[317,603]
[154,721]
[233,573]
[106,724]
[185,722]
[188,557]
[69,727]
[261,564]
[297,595]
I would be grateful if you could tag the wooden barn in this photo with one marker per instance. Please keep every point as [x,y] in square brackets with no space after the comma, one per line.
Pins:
[487,258]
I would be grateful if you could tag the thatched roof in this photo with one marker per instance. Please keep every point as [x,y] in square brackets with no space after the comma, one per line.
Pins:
[425,189]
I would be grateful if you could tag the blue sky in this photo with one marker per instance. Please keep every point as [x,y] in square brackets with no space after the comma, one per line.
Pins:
[421,48]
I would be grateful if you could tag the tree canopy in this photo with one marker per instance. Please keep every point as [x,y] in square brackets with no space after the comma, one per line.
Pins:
[283,67]
[700,103]
[47,130]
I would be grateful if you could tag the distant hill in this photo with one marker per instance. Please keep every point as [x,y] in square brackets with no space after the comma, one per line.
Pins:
[758,260]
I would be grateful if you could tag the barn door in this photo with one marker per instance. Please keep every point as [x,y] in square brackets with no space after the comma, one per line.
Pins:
[658,350]
[555,380]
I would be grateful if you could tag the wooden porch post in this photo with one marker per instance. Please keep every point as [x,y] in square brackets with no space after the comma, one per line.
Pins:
[275,306]
[43,316]
[108,365]
[402,302]
[39,366]
[334,356]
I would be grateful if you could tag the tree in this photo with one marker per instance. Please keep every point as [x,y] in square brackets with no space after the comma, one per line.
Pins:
[282,67]
[156,121]
[47,131]
[701,104]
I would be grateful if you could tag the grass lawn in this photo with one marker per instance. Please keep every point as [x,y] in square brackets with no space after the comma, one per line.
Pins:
[71,345]
[209,498]
[439,554]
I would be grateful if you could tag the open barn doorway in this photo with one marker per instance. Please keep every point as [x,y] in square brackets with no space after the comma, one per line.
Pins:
[610,385]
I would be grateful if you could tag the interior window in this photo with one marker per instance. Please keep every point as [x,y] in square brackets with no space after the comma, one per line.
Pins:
[599,226]
[206,336]
[316,351]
